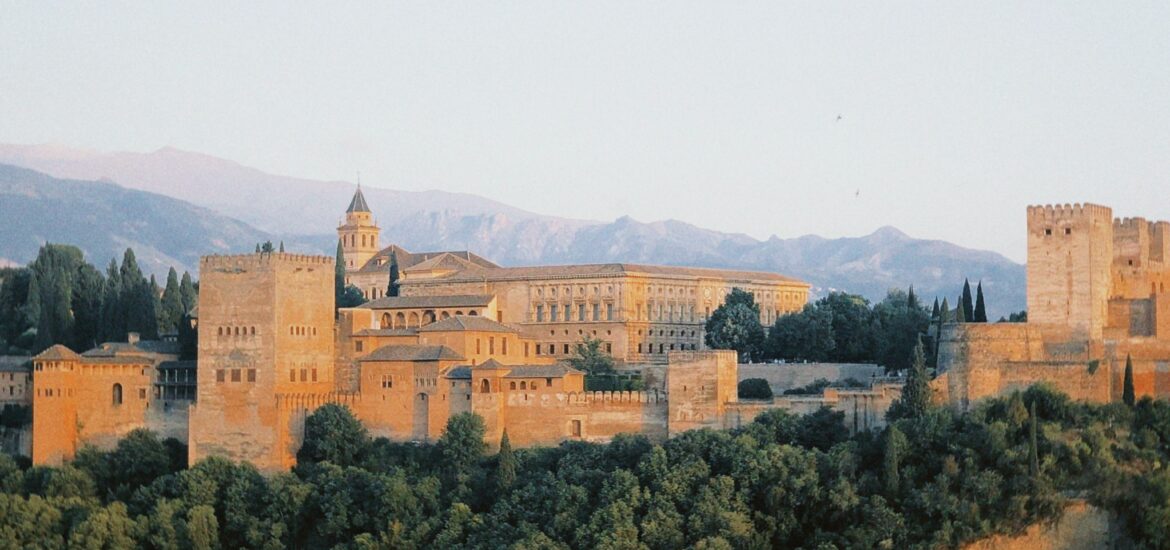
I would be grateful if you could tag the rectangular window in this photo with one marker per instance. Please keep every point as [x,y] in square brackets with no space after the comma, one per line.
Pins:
[314,375]
[505,344]
[357,346]
[639,348]
[251,375]
[580,312]
[491,345]
[477,351]
[649,311]
[537,348]
[292,375]
[661,348]
[608,348]
[304,375]
[142,393]
[539,314]
[235,375]
[554,310]
[219,375]
[548,382]
[608,312]
[568,313]
[596,312]
[525,349]
[566,349]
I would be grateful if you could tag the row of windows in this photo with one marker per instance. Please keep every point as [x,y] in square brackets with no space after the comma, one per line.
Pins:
[662,332]
[585,312]
[492,346]
[526,385]
[568,291]
[663,348]
[12,390]
[388,381]
[367,240]
[400,320]
[235,331]
[552,348]
[301,330]
[221,375]
[1067,231]
[54,392]
[307,375]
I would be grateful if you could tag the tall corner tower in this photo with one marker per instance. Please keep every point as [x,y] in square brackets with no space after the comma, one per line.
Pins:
[359,233]
[265,332]
[1070,256]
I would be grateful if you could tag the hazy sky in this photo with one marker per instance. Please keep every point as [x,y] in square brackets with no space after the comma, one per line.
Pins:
[954,117]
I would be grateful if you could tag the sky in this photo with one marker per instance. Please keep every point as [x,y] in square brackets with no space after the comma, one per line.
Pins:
[943,119]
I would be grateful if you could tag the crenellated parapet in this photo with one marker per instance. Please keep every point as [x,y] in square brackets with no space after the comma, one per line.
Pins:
[222,261]
[616,397]
[1068,212]
[308,400]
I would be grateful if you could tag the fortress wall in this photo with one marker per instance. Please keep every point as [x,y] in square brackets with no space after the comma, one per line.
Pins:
[101,422]
[169,418]
[1070,259]
[547,418]
[787,376]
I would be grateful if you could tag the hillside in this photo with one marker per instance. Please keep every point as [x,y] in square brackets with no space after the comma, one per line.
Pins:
[431,220]
[104,219]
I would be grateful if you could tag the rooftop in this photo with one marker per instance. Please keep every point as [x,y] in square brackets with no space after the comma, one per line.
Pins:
[58,353]
[602,270]
[387,332]
[15,363]
[414,302]
[467,323]
[412,353]
[380,262]
[358,204]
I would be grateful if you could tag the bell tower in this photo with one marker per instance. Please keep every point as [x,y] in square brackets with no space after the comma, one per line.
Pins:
[359,233]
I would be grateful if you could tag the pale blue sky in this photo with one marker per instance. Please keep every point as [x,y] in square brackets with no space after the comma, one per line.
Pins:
[955,116]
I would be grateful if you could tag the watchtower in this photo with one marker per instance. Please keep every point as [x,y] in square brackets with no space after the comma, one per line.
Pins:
[1070,255]
[54,380]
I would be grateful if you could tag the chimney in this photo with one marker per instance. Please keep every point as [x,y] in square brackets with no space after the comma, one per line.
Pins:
[132,337]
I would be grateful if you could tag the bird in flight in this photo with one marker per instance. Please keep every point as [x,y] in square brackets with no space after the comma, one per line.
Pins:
[839,117]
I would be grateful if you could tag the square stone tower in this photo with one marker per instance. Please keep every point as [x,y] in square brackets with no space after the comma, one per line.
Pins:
[1070,256]
[699,386]
[265,332]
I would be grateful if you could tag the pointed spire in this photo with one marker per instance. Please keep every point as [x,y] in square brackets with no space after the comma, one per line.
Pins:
[358,204]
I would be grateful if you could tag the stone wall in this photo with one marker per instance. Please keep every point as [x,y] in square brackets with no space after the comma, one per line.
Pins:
[1081,527]
[786,376]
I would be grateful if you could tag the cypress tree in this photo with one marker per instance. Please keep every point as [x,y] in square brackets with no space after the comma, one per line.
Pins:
[137,299]
[506,463]
[1033,451]
[911,299]
[944,312]
[392,290]
[915,399]
[89,292]
[32,304]
[960,313]
[934,310]
[172,303]
[188,293]
[257,248]
[966,303]
[896,444]
[980,309]
[338,276]
[113,324]
[1127,391]
[282,247]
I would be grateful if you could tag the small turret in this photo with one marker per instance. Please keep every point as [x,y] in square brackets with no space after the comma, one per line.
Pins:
[359,233]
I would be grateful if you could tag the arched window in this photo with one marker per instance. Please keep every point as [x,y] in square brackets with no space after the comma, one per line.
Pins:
[413,320]
[472,313]
[386,320]
[428,317]
[511,385]
[117,394]
[523,385]
[485,386]
[444,315]
[575,428]
[400,321]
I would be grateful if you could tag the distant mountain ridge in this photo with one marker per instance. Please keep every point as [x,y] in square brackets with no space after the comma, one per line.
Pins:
[307,211]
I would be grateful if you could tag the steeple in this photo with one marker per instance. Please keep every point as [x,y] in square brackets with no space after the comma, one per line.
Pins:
[359,233]
[358,204]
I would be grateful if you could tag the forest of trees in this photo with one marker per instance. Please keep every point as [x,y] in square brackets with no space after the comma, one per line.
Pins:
[61,299]
[933,479]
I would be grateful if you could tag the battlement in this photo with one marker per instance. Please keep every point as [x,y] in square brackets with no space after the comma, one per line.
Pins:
[1130,224]
[294,401]
[1068,212]
[263,258]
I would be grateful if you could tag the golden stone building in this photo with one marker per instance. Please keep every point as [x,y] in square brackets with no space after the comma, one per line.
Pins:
[640,312]
[1096,296]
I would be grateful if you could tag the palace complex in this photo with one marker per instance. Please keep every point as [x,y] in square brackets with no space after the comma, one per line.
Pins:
[1096,297]
[463,334]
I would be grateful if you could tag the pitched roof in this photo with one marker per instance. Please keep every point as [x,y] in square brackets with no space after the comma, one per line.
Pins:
[387,332]
[477,273]
[540,371]
[459,373]
[380,262]
[412,353]
[58,352]
[411,302]
[358,204]
[445,261]
[461,323]
[15,363]
[142,347]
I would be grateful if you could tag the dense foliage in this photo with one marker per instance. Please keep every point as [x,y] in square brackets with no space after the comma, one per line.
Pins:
[735,325]
[754,388]
[935,480]
[61,299]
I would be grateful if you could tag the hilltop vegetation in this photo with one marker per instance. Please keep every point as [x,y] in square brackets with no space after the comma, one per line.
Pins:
[932,479]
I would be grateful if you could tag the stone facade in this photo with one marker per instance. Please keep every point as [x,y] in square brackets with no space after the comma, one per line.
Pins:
[1096,295]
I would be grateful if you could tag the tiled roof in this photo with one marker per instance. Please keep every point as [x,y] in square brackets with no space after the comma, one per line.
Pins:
[414,302]
[15,363]
[177,365]
[58,353]
[358,204]
[143,347]
[595,270]
[459,373]
[380,262]
[540,371]
[412,353]
[387,332]
[460,323]
[443,262]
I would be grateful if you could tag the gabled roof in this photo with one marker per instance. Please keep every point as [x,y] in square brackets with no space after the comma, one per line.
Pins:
[540,371]
[387,332]
[380,262]
[358,204]
[58,352]
[142,347]
[445,261]
[477,273]
[460,323]
[412,353]
[414,302]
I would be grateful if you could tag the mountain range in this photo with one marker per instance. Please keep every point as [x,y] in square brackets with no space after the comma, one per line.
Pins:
[172,206]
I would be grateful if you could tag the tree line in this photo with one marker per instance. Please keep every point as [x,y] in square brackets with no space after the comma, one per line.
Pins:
[934,478]
[60,298]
